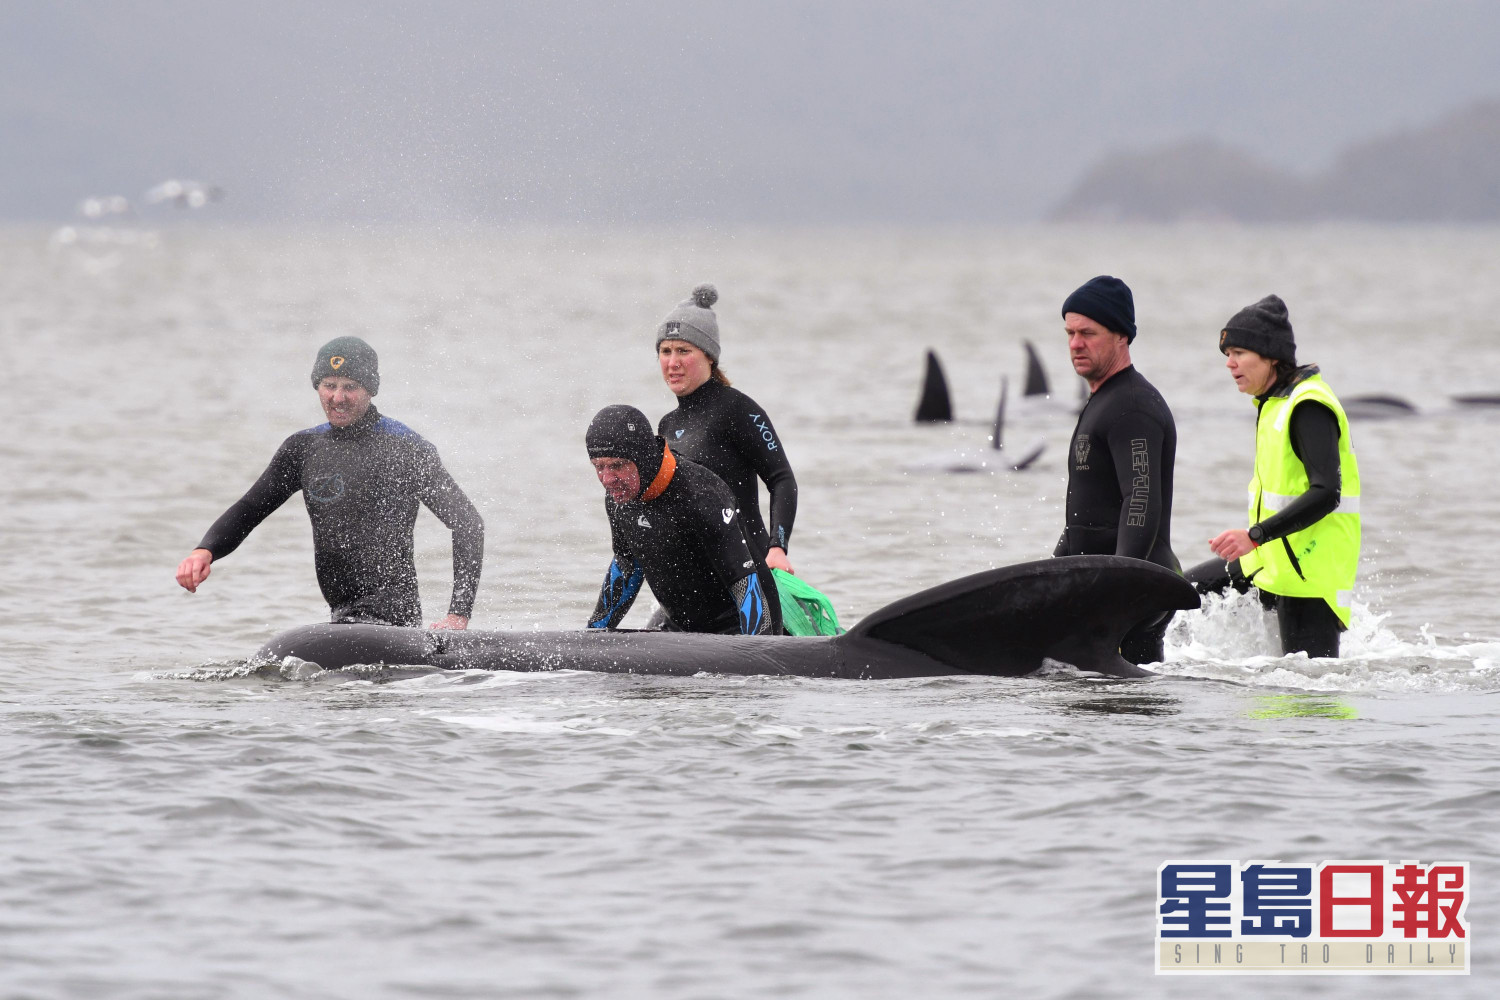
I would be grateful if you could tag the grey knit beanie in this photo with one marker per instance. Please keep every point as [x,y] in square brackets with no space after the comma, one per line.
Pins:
[693,321]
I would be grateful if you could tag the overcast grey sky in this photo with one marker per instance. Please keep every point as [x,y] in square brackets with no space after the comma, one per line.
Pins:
[771,111]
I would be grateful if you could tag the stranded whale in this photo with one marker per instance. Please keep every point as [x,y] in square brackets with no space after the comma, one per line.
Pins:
[1003,622]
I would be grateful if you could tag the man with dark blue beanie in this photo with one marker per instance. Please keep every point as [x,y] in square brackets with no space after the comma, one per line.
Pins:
[1124,447]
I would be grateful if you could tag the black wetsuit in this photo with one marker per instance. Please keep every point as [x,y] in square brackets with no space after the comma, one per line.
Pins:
[1306,624]
[362,484]
[689,545]
[725,430]
[1119,503]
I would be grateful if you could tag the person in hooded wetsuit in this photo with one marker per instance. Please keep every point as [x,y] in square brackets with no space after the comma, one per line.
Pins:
[722,428]
[1301,551]
[673,524]
[362,476]
[1123,450]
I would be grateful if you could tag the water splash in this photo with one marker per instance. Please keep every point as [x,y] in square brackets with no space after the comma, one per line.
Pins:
[1231,637]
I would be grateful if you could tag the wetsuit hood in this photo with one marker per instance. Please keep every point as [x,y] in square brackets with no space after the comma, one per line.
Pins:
[621,431]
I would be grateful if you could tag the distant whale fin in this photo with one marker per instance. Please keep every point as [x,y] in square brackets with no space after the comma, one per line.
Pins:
[1377,407]
[1036,378]
[1477,400]
[935,405]
[997,434]
[1031,456]
[1005,622]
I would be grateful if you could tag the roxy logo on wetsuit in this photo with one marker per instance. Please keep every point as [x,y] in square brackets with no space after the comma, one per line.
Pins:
[765,431]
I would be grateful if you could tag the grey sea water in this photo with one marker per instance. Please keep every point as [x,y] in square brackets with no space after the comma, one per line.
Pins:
[177,823]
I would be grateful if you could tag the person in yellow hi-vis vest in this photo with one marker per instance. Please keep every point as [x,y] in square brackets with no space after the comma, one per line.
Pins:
[1301,550]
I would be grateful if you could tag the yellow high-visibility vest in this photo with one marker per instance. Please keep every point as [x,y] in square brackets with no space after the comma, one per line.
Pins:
[1319,561]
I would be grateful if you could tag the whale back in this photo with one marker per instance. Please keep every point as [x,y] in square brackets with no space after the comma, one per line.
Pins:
[1073,609]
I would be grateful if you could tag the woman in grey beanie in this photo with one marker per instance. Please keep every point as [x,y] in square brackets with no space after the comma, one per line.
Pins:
[722,428]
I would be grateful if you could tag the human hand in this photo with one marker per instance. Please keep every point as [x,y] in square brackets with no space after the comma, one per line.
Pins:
[194,569]
[776,559]
[1231,544]
[455,622]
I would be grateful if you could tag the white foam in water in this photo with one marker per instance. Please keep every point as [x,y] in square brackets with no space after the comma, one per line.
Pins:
[518,724]
[1231,637]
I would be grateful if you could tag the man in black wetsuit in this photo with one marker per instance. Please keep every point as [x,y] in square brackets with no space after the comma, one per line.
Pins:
[673,523]
[362,475]
[1123,450]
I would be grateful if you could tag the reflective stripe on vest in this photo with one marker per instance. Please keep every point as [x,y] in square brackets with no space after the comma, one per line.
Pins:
[1319,561]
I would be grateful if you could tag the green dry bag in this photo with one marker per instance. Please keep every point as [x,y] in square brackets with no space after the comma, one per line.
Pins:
[805,610]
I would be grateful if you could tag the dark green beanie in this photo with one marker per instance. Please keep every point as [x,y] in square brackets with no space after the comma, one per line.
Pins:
[348,357]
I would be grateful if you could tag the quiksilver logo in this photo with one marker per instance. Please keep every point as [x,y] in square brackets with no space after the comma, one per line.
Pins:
[728,514]
[642,521]
[679,433]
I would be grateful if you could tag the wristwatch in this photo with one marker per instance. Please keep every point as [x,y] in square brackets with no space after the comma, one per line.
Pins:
[1257,533]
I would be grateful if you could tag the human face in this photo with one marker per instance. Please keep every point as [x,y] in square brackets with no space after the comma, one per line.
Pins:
[344,400]
[620,477]
[683,367]
[1252,373]
[1096,351]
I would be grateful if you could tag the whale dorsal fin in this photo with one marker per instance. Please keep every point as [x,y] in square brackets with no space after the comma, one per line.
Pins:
[1073,609]
[935,406]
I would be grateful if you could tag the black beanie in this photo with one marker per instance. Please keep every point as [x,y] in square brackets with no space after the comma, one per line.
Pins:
[1263,328]
[1108,302]
[621,431]
[348,357]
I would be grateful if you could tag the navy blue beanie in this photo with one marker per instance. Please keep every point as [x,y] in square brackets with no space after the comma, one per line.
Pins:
[1108,302]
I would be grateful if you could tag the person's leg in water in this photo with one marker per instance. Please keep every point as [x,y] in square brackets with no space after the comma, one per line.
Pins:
[1146,643]
[1308,625]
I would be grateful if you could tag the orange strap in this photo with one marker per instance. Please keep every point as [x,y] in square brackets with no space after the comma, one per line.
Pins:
[663,475]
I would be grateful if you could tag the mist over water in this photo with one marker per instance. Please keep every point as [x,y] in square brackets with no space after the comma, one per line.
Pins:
[181,823]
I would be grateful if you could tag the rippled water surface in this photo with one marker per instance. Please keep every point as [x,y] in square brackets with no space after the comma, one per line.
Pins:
[177,822]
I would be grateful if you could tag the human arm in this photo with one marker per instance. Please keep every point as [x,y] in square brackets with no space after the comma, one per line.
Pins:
[758,442]
[750,601]
[1137,446]
[1315,441]
[445,499]
[725,544]
[276,484]
[621,585]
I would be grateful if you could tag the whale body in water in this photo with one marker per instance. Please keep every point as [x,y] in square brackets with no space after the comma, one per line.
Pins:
[1003,622]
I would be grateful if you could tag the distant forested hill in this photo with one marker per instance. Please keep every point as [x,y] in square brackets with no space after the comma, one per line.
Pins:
[1446,172]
